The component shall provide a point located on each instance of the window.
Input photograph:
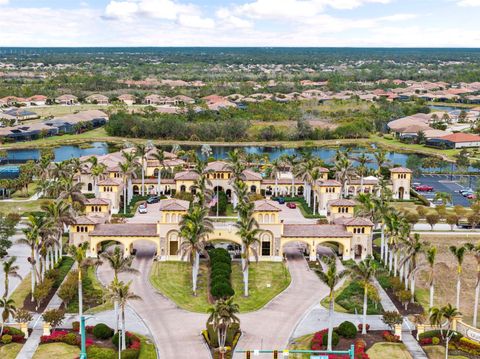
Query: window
(89, 187)
(265, 248)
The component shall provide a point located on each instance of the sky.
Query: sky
(317, 23)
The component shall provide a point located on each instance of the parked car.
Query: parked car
(142, 209)
(153, 199)
(280, 200)
(291, 205)
(424, 188)
(471, 196)
(466, 192)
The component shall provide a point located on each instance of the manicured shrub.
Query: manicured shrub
(347, 330)
(220, 273)
(71, 339)
(435, 341)
(427, 341)
(130, 353)
(436, 333)
(6, 339)
(221, 266)
(115, 338)
(335, 339)
(102, 331)
(320, 340)
(76, 326)
(360, 327)
(94, 352)
(13, 331)
(222, 290)
(389, 337)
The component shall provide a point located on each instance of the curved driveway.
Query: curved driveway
(177, 332)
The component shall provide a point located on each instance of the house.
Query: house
(67, 100)
(13, 100)
(183, 100)
(97, 99)
(28, 132)
(37, 100)
(455, 140)
(21, 114)
(215, 102)
(127, 99)
(66, 124)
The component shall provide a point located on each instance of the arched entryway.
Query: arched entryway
(136, 189)
(401, 193)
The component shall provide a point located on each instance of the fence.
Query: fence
(314, 354)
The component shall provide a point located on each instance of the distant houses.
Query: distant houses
(97, 99)
(455, 140)
(67, 100)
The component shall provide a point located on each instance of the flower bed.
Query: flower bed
(12, 335)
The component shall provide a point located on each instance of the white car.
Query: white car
(142, 209)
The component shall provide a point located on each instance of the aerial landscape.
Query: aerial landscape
(251, 178)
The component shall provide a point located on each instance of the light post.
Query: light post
(83, 345)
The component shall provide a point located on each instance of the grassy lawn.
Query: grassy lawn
(61, 110)
(337, 307)
(301, 343)
(92, 294)
(173, 279)
(22, 194)
(10, 351)
(22, 291)
(147, 350)
(56, 350)
(388, 350)
(438, 352)
(22, 207)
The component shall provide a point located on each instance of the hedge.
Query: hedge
(220, 273)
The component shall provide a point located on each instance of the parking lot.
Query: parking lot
(446, 183)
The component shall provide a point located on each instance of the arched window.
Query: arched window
(167, 218)
(272, 218)
(253, 189)
(183, 188)
(155, 172)
(260, 218)
(89, 187)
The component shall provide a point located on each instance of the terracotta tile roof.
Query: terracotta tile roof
(400, 170)
(174, 205)
(97, 201)
(186, 176)
(281, 181)
(342, 202)
(91, 219)
(461, 137)
(110, 182)
(315, 230)
(126, 230)
(251, 175)
(265, 205)
(329, 183)
(357, 221)
(366, 181)
(217, 166)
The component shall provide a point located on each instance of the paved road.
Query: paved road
(443, 183)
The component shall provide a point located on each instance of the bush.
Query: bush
(435, 341)
(389, 337)
(436, 333)
(320, 339)
(94, 352)
(220, 273)
(6, 339)
(102, 331)
(222, 290)
(130, 353)
(71, 339)
(54, 316)
(76, 326)
(13, 331)
(347, 330)
(360, 327)
(467, 345)
(128, 340)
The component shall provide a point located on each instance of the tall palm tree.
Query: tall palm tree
(276, 167)
(141, 151)
(413, 247)
(381, 159)
(97, 172)
(131, 165)
(59, 214)
(362, 168)
(120, 292)
(365, 272)
(222, 316)
(366, 205)
(476, 253)
(315, 175)
(10, 269)
(331, 277)
(459, 254)
(444, 197)
(430, 257)
(71, 191)
(159, 155)
(9, 309)
(195, 227)
(343, 167)
(119, 264)
(248, 231)
(292, 162)
(303, 170)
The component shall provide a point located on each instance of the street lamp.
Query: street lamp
(83, 347)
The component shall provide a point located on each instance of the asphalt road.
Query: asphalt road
(443, 183)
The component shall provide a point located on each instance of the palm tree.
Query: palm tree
(291, 161)
(303, 170)
(362, 168)
(381, 159)
(128, 170)
(412, 249)
(119, 264)
(71, 191)
(10, 269)
(59, 214)
(315, 175)
(195, 227)
(97, 171)
(159, 155)
(459, 254)
(276, 167)
(9, 309)
(444, 197)
(331, 277)
(476, 253)
(120, 292)
(248, 231)
(343, 166)
(365, 272)
(366, 206)
(222, 316)
(430, 256)
(141, 151)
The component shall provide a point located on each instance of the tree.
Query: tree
(194, 229)
(413, 247)
(364, 272)
(476, 253)
(392, 318)
(59, 214)
(160, 157)
(120, 292)
(430, 257)
(54, 317)
(437, 315)
(141, 151)
(119, 264)
(459, 254)
(432, 219)
(9, 309)
(452, 220)
(222, 316)
(330, 276)
(444, 197)
(7, 229)
(343, 167)
(10, 269)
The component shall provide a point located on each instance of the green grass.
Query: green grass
(10, 351)
(388, 350)
(22, 291)
(22, 207)
(147, 350)
(93, 294)
(438, 352)
(32, 187)
(173, 279)
(56, 350)
(301, 343)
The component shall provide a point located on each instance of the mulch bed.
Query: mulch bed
(372, 337)
(413, 308)
(32, 306)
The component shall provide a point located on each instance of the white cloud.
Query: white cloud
(121, 10)
(195, 21)
(4, 2)
(469, 2)
(155, 9)
(398, 17)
